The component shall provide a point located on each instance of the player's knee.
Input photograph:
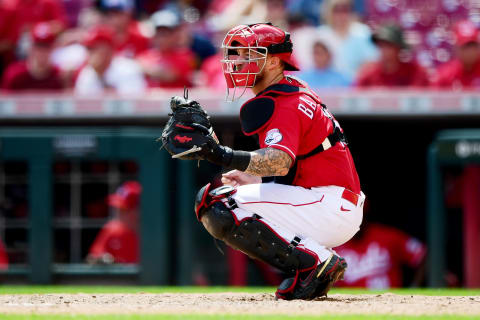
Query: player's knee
(218, 220)
(202, 200)
(214, 214)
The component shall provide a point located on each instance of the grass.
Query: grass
(152, 289)
(229, 317)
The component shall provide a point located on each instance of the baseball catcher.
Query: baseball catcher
(296, 197)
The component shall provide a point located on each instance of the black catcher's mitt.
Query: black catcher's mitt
(188, 130)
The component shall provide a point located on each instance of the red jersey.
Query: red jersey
(409, 74)
(3, 257)
(376, 258)
(119, 240)
(133, 44)
(179, 61)
(17, 77)
(7, 37)
(7, 19)
(212, 73)
(36, 11)
(30, 12)
(297, 126)
(454, 76)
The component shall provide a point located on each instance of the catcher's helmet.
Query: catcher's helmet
(260, 39)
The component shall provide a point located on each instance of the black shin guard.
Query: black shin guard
(254, 237)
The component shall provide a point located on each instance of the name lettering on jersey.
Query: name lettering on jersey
(308, 108)
(273, 136)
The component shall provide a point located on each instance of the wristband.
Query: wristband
(226, 157)
(240, 160)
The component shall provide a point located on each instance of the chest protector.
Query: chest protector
(256, 113)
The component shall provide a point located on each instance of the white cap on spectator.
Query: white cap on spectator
(165, 19)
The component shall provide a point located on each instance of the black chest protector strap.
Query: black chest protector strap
(332, 139)
(336, 136)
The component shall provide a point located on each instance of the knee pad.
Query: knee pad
(206, 197)
(218, 220)
(252, 235)
(214, 214)
(201, 200)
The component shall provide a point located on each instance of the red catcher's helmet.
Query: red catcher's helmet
(259, 39)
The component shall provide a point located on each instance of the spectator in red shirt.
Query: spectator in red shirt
(391, 70)
(3, 257)
(36, 72)
(464, 70)
(7, 38)
(104, 71)
(128, 40)
(212, 75)
(20, 16)
(32, 12)
(376, 255)
(117, 242)
(168, 64)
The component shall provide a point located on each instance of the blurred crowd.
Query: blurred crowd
(132, 46)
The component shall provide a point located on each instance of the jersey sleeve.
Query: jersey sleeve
(99, 246)
(283, 132)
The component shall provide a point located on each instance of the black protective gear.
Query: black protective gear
(188, 132)
(253, 236)
(188, 135)
(315, 283)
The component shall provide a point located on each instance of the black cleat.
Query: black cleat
(331, 271)
(316, 284)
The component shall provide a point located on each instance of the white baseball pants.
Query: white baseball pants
(318, 216)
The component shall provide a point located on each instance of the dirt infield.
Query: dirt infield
(236, 303)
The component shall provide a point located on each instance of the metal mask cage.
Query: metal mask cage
(229, 65)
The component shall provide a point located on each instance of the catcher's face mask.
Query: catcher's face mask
(245, 50)
(243, 60)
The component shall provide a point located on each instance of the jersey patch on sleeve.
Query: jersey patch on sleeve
(273, 136)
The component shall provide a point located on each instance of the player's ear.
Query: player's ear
(274, 62)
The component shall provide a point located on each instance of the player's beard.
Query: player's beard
(259, 78)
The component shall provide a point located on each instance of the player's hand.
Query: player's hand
(237, 178)
(104, 259)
